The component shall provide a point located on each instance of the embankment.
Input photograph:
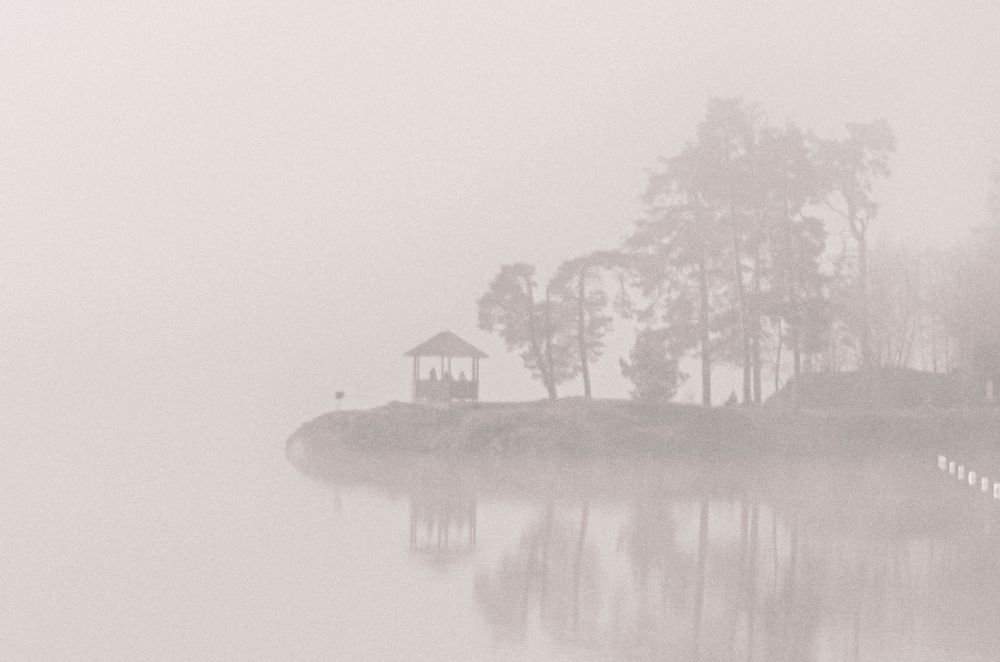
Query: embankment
(626, 427)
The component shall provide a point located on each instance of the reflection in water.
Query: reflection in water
(442, 526)
(784, 561)
(551, 576)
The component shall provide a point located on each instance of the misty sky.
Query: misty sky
(249, 205)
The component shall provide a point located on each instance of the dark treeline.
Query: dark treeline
(754, 251)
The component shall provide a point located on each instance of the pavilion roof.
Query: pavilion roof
(446, 343)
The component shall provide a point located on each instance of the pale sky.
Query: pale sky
(245, 206)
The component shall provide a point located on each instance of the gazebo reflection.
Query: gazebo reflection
(442, 526)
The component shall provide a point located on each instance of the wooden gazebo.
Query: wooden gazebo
(443, 386)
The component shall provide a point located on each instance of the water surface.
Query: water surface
(210, 544)
(884, 558)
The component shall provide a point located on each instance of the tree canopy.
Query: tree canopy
(753, 243)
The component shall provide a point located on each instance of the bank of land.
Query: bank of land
(629, 427)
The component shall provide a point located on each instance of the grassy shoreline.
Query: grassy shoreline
(861, 474)
(627, 427)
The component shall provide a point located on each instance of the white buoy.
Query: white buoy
(961, 472)
(972, 479)
(942, 463)
(951, 467)
(985, 484)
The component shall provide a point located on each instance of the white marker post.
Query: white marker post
(961, 472)
(984, 484)
(996, 490)
(942, 463)
(972, 479)
(951, 467)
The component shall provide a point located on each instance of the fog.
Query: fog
(269, 203)
(216, 215)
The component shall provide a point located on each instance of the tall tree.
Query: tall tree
(581, 283)
(677, 257)
(792, 239)
(736, 195)
(895, 291)
(851, 165)
(722, 172)
(542, 330)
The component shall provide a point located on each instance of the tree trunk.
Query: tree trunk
(706, 358)
(550, 382)
(795, 333)
(865, 333)
(550, 389)
(738, 273)
(832, 347)
(741, 295)
(791, 317)
(536, 350)
(755, 327)
(581, 330)
(777, 357)
(934, 348)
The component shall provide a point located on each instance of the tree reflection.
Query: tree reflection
(715, 580)
(699, 594)
(805, 561)
(552, 576)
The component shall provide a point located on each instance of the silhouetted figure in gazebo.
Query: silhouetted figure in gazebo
(445, 346)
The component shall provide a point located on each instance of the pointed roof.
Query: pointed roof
(446, 343)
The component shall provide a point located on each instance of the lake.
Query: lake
(214, 545)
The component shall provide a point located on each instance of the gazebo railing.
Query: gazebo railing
(438, 390)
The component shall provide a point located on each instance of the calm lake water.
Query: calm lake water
(210, 545)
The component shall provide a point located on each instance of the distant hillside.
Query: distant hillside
(884, 389)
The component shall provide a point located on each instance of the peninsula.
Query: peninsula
(632, 427)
